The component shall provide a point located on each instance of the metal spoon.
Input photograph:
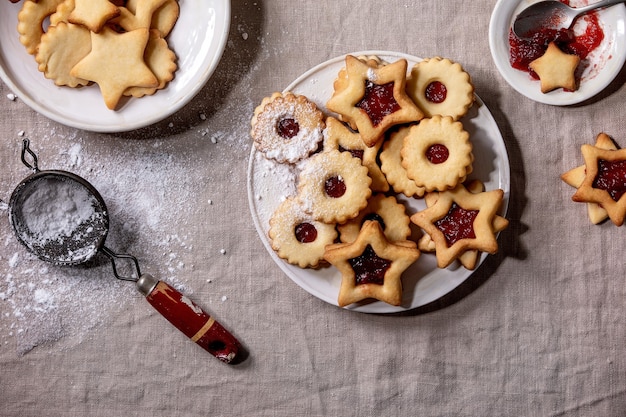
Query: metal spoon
(552, 14)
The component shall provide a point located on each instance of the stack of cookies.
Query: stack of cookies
(122, 48)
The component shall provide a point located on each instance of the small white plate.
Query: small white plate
(198, 39)
(423, 282)
(605, 62)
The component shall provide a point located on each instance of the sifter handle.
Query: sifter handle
(190, 319)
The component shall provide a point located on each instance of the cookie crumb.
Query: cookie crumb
(224, 298)
(223, 251)
(11, 96)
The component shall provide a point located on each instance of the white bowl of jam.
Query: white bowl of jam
(598, 38)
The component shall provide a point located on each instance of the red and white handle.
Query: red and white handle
(190, 319)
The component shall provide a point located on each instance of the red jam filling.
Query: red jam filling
(287, 128)
(611, 177)
(457, 224)
(357, 153)
(369, 268)
(305, 233)
(335, 187)
(437, 154)
(378, 101)
(523, 51)
(436, 92)
(374, 217)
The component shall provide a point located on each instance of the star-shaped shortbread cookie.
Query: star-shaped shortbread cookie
(372, 98)
(93, 14)
(604, 182)
(576, 176)
(556, 69)
(371, 252)
(460, 221)
(116, 63)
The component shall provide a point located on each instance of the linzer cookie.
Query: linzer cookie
(441, 87)
(297, 237)
(460, 220)
(287, 127)
(604, 181)
(391, 165)
(373, 98)
(371, 266)
(437, 153)
(333, 186)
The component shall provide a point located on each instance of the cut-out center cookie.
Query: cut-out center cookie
(611, 178)
(457, 224)
(378, 101)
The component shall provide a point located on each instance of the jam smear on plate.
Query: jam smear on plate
(305, 233)
(523, 51)
(378, 101)
(457, 224)
(611, 177)
(369, 268)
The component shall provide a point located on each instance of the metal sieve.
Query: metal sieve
(61, 218)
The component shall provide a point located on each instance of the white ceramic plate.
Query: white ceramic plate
(198, 39)
(604, 63)
(423, 282)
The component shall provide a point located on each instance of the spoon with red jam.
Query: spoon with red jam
(552, 15)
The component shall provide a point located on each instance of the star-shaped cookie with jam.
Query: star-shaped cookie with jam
(605, 181)
(469, 258)
(371, 266)
(575, 177)
(460, 221)
(372, 98)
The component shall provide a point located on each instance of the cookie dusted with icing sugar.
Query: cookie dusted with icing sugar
(333, 186)
(287, 127)
(437, 153)
(604, 181)
(371, 266)
(297, 237)
(441, 87)
(372, 97)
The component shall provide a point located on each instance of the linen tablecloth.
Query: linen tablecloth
(536, 331)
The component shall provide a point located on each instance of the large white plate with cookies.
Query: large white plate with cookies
(269, 183)
(600, 67)
(198, 39)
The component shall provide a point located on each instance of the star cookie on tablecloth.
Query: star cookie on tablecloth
(605, 181)
(556, 69)
(371, 266)
(576, 176)
(120, 54)
(373, 98)
(460, 221)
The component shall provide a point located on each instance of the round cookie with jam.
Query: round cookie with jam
(441, 87)
(333, 186)
(287, 127)
(437, 154)
(297, 237)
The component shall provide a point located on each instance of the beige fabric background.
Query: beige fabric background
(537, 331)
